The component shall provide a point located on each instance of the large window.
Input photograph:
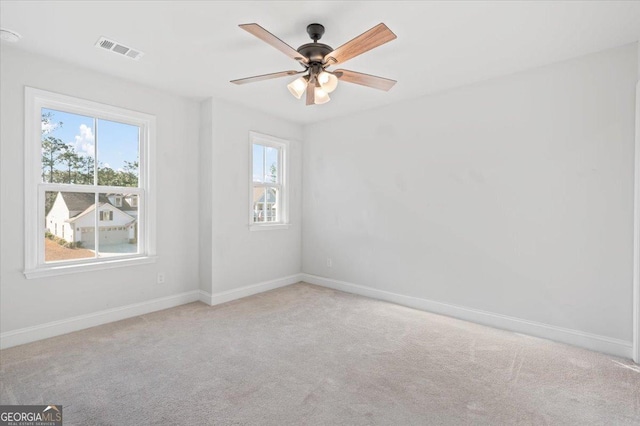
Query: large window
(88, 185)
(268, 190)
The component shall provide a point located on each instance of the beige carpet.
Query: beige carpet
(306, 355)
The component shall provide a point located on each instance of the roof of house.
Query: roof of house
(81, 201)
(259, 192)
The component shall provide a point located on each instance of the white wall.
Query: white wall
(34, 302)
(205, 173)
(232, 256)
(513, 196)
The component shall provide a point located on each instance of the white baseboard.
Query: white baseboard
(56, 328)
(239, 293)
(573, 337)
(590, 341)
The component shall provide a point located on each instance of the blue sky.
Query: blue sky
(263, 155)
(117, 142)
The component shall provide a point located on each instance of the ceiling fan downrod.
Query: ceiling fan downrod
(315, 52)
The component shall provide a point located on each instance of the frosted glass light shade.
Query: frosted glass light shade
(321, 97)
(327, 81)
(297, 86)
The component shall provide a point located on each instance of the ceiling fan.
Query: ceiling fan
(316, 57)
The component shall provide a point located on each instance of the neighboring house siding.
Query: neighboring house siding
(55, 219)
(79, 225)
(118, 230)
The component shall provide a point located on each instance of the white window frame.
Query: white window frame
(34, 189)
(283, 208)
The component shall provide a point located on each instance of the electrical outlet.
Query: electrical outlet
(329, 262)
(160, 278)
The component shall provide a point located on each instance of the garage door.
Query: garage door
(88, 238)
(115, 235)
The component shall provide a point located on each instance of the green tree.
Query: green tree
(73, 163)
(87, 163)
(51, 147)
(130, 173)
(107, 176)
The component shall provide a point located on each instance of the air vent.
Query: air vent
(119, 48)
(106, 44)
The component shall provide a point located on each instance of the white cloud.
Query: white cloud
(85, 141)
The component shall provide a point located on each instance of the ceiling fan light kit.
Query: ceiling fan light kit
(320, 96)
(328, 81)
(298, 86)
(315, 57)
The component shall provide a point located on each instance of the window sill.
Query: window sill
(52, 271)
(268, 227)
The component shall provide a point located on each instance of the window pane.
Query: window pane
(117, 226)
(69, 226)
(271, 206)
(258, 205)
(68, 147)
(118, 153)
(271, 162)
(258, 163)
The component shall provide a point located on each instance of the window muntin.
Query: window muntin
(268, 180)
(98, 158)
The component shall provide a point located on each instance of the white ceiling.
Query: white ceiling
(193, 48)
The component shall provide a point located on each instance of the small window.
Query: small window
(268, 191)
(106, 215)
(117, 201)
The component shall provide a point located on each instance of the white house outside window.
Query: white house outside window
(269, 190)
(85, 163)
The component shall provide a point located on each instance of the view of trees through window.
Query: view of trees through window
(73, 161)
(83, 152)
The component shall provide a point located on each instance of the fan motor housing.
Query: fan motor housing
(315, 52)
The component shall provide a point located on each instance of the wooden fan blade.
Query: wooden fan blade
(311, 92)
(265, 77)
(365, 79)
(274, 41)
(376, 36)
